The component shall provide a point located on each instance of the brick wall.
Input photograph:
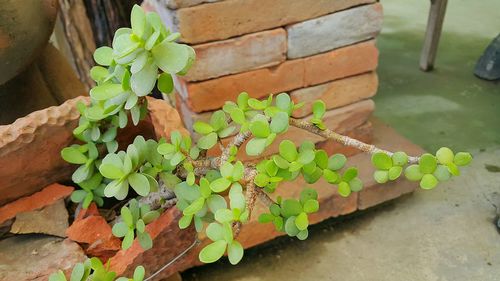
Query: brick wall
(312, 49)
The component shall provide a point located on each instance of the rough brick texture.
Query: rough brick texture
(47, 196)
(212, 94)
(290, 75)
(168, 242)
(334, 31)
(340, 63)
(225, 19)
(337, 93)
(248, 52)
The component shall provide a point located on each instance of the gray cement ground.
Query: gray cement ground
(443, 234)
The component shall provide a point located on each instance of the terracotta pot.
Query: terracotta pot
(30, 147)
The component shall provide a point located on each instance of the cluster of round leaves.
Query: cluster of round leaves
(218, 127)
(136, 167)
(93, 269)
(312, 163)
(141, 57)
(263, 119)
(92, 190)
(291, 215)
(388, 167)
(203, 203)
(134, 219)
(430, 170)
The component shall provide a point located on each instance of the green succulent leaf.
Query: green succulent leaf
(103, 56)
(427, 163)
(235, 252)
(139, 183)
(260, 129)
(336, 162)
(428, 181)
(399, 158)
(344, 189)
(220, 184)
(213, 251)
(120, 229)
(445, 155)
(462, 159)
(73, 155)
(288, 151)
(208, 141)
(413, 173)
(311, 206)
(255, 146)
(172, 57)
(279, 123)
(202, 128)
(381, 161)
(165, 83)
(319, 109)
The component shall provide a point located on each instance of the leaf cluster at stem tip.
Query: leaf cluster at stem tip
(93, 269)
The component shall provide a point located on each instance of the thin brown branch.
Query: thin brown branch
(345, 140)
(264, 198)
(237, 141)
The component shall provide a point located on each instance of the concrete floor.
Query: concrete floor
(443, 234)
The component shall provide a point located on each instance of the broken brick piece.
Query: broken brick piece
(96, 233)
(47, 196)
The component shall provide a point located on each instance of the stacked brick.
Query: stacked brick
(312, 49)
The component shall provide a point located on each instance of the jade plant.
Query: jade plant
(216, 194)
(93, 269)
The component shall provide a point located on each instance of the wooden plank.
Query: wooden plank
(433, 33)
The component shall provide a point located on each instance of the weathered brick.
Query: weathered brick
(290, 75)
(189, 117)
(225, 19)
(340, 63)
(244, 53)
(337, 93)
(212, 94)
(45, 197)
(334, 30)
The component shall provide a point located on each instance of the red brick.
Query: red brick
(337, 93)
(96, 235)
(212, 94)
(340, 63)
(240, 54)
(225, 19)
(290, 75)
(47, 196)
(168, 242)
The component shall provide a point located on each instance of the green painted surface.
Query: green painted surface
(448, 105)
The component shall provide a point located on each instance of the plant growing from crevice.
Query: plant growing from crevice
(93, 269)
(216, 194)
